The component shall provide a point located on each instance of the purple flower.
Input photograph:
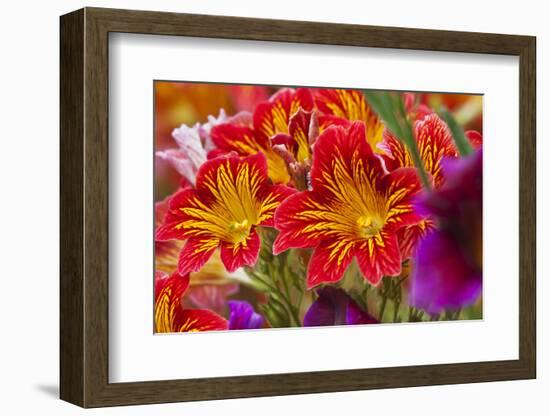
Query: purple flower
(447, 271)
(335, 307)
(242, 315)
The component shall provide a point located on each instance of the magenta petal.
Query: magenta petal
(357, 316)
(328, 309)
(443, 277)
(335, 307)
(243, 316)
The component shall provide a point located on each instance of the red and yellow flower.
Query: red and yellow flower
(232, 197)
(354, 209)
(273, 116)
(435, 143)
(170, 316)
(209, 287)
(269, 119)
(341, 107)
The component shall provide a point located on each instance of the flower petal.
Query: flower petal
(357, 316)
(349, 105)
(174, 217)
(328, 309)
(272, 117)
(400, 187)
(245, 141)
(334, 306)
(172, 286)
(274, 196)
(410, 236)
(210, 296)
(215, 172)
(303, 220)
(434, 142)
(341, 158)
(379, 256)
(475, 138)
(396, 154)
(329, 261)
(197, 320)
(243, 316)
(235, 255)
(181, 162)
(299, 129)
(238, 138)
(443, 276)
(196, 253)
(168, 293)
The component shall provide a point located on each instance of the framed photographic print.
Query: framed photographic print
(259, 207)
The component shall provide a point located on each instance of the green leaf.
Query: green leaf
(462, 143)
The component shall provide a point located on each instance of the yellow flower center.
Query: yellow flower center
(369, 225)
(239, 230)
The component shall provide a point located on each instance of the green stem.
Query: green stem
(285, 297)
(413, 147)
(462, 143)
(383, 307)
(291, 307)
(396, 306)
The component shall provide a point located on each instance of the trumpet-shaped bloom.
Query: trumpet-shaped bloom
(270, 118)
(170, 316)
(447, 272)
(335, 307)
(353, 210)
(434, 143)
(210, 286)
(341, 107)
(232, 197)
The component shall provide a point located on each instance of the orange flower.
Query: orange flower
(353, 210)
(232, 197)
(269, 119)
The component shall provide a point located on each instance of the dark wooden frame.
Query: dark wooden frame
(84, 208)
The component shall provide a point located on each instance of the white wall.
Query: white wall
(29, 220)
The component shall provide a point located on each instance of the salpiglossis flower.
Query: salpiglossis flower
(353, 210)
(232, 197)
(170, 316)
(270, 118)
(435, 142)
(341, 107)
(211, 285)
